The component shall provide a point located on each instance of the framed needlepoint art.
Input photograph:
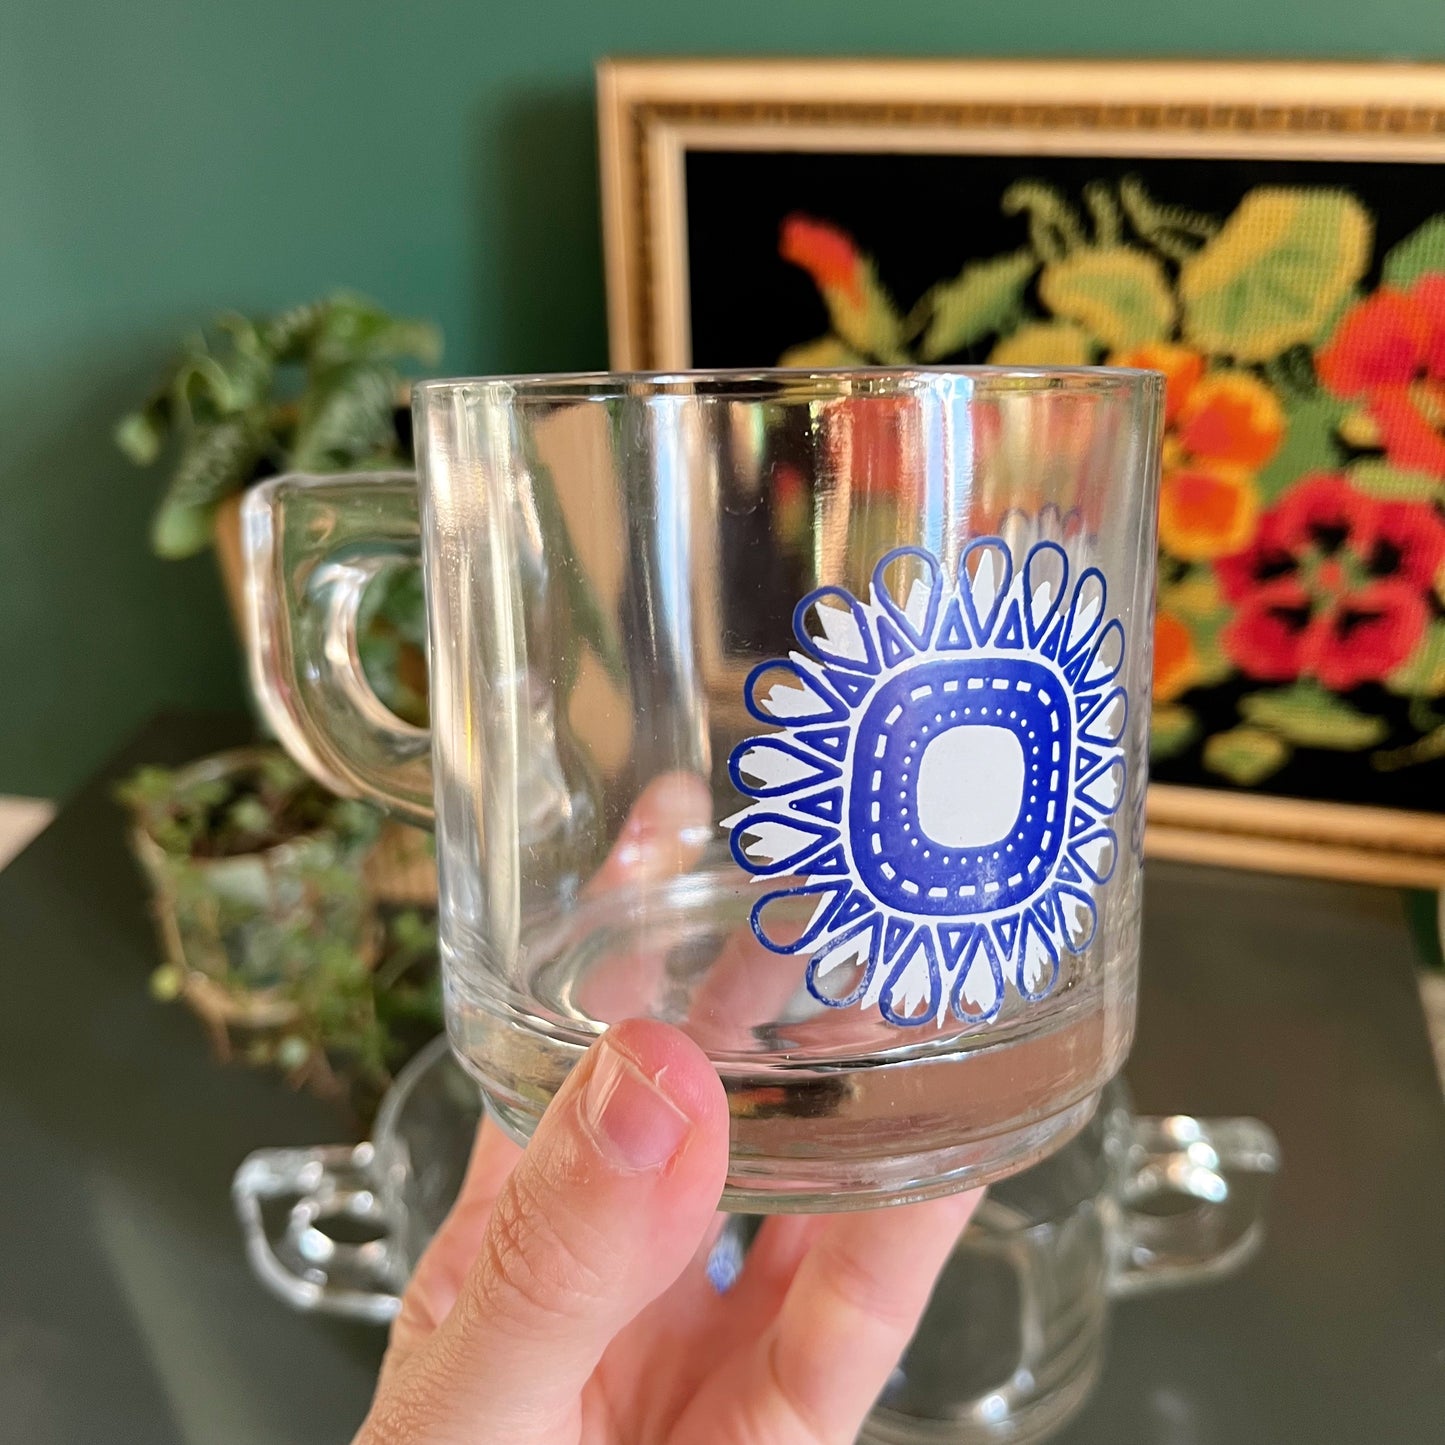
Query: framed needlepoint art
(1270, 237)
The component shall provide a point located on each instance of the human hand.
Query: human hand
(566, 1297)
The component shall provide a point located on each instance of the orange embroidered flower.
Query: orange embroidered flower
(1206, 511)
(1221, 427)
(825, 252)
(1176, 662)
(1231, 416)
(1182, 368)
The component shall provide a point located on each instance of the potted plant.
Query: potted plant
(317, 388)
(268, 928)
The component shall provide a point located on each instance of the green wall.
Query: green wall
(161, 160)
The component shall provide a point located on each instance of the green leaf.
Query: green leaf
(216, 461)
(1245, 755)
(1118, 294)
(1390, 484)
(289, 334)
(345, 415)
(983, 299)
(166, 983)
(1421, 251)
(1274, 275)
(140, 437)
(1310, 717)
(1309, 445)
(1171, 729)
(352, 329)
(1422, 674)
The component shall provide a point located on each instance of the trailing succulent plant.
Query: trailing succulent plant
(268, 927)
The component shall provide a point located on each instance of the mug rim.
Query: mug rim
(744, 383)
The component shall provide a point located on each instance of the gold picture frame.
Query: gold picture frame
(653, 113)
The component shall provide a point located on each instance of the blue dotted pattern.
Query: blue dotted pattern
(900, 864)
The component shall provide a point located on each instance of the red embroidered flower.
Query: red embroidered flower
(1389, 351)
(826, 253)
(1336, 585)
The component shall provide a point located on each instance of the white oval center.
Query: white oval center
(970, 786)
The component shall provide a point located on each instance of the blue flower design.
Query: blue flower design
(939, 802)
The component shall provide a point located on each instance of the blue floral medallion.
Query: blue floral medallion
(939, 801)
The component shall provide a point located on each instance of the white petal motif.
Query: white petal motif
(1103, 791)
(979, 988)
(1097, 853)
(784, 691)
(1046, 577)
(778, 769)
(769, 840)
(1104, 727)
(1038, 960)
(1084, 611)
(1076, 911)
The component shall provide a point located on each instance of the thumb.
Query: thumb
(605, 1209)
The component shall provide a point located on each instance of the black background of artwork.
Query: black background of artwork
(921, 218)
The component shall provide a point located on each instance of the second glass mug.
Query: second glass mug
(804, 711)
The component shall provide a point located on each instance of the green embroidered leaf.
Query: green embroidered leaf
(1195, 599)
(1275, 273)
(859, 307)
(1426, 750)
(1390, 484)
(1171, 729)
(1422, 674)
(1044, 343)
(819, 355)
(984, 298)
(1245, 755)
(1310, 717)
(1421, 251)
(1309, 445)
(1195, 596)
(1118, 294)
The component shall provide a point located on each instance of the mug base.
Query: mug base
(759, 1183)
(1040, 1419)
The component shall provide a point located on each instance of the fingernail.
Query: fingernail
(634, 1123)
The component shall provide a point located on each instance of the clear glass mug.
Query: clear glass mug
(807, 712)
(338, 1228)
(1013, 1339)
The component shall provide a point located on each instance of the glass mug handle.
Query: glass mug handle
(1191, 1203)
(313, 545)
(304, 1262)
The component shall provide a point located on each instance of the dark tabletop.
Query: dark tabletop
(127, 1312)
